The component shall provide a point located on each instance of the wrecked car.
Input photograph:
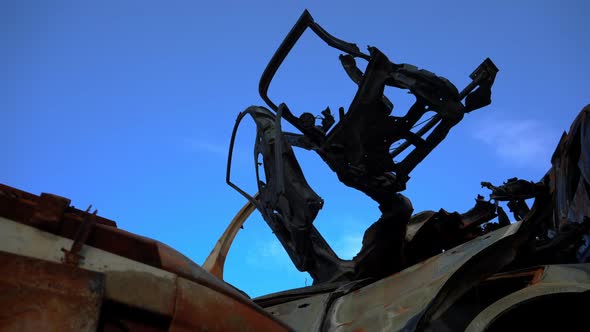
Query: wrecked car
(65, 269)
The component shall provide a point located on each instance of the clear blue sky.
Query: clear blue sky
(129, 105)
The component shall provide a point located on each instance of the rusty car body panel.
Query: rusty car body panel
(42, 296)
(111, 277)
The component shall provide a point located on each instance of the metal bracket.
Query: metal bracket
(72, 256)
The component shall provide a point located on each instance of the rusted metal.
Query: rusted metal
(200, 308)
(126, 279)
(37, 295)
(49, 211)
(557, 279)
(570, 171)
(534, 274)
(181, 265)
(101, 233)
(393, 302)
(305, 314)
(216, 259)
(72, 256)
(429, 233)
(139, 287)
(357, 148)
(484, 263)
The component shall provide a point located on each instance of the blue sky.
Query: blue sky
(129, 105)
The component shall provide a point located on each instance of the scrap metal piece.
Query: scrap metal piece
(305, 21)
(195, 303)
(390, 304)
(383, 250)
(49, 211)
(73, 256)
(304, 314)
(502, 217)
(519, 208)
(287, 203)
(513, 189)
(358, 148)
(561, 249)
(37, 295)
(430, 233)
(175, 301)
(551, 303)
(570, 174)
(484, 263)
(216, 259)
(484, 76)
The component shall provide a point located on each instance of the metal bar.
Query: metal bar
(435, 119)
(304, 21)
(216, 259)
(229, 160)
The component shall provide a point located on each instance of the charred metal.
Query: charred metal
(359, 148)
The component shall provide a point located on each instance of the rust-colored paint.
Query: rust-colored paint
(175, 262)
(199, 307)
(122, 243)
(40, 211)
(51, 213)
(533, 274)
(538, 276)
(216, 259)
(66, 221)
(42, 296)
(141, 290)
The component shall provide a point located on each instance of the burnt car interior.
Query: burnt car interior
(356, 144)
(364, 145)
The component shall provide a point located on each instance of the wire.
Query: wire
(391, 148)
(430, 118)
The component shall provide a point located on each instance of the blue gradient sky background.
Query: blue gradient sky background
(129, 105)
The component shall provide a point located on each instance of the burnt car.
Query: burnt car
(64, 269)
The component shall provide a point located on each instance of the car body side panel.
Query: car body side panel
(37, 295)
(390, 303)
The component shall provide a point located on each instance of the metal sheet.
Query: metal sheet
(557, 279)
(127, 280)
(37, 295)
(136, 284)
(182, 266)
(199, 308)
(304, 314)
(390, 303)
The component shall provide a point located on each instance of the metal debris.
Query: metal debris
(449, 261)
(358, 148)
(73, 256)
